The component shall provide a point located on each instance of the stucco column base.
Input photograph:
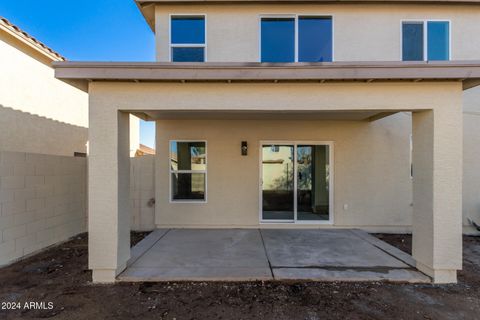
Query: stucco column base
(439, 276)
(107, 275)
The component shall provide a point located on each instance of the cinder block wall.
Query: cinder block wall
(142, 190)
(42, 202)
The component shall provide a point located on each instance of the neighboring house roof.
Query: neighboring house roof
(147, 7)
(80, 73)
(26, 39)
(144, 150)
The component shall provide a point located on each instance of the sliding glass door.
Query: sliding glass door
(313, 190)
(278, 182)
(296, 182)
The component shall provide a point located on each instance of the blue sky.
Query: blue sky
(87, 30)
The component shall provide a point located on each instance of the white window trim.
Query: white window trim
(295, 17)
(331, 184)
(170, 171)
(186, 45)
(425, 36)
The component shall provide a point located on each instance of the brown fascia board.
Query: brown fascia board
(81, 72)
(147, 2)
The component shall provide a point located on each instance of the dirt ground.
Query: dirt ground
(60, 276)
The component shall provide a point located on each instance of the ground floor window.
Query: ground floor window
(296, 182)
(188, 171)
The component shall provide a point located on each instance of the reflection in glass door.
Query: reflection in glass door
(278, 182)
(313, 182)
(296, 182)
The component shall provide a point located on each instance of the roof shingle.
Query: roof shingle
(30, 40)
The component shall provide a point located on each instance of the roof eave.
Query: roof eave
(80, 73)
(148, 13)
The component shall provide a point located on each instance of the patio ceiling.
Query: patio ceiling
(80, 73)
(370, 115)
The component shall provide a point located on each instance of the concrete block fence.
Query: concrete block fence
(43, 200)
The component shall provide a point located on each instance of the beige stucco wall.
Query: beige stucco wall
(42, 202)
(28, 132)
(471, 158)
(143, 216)
(254, 97)
(437, 117)
(109, 97)
(370, 172)
(142, 191)
(390, 213)
(365, 32)
(28, 85)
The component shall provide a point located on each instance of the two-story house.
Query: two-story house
(290, 114)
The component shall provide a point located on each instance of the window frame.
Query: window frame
(425, 37)
(186, 45)
(295, 16)
(170, 172)
(331, 185)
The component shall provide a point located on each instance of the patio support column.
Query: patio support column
(437, 192)
(109, 186)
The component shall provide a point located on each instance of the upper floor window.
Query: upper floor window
(187, 38)
(296, 39)
(425, 40)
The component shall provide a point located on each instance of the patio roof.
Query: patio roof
(80, 73)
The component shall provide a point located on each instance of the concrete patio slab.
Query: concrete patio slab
(324, 248)
(196, 254)
(143, 246)
(348, 275)
(267, 254)
(156, 274)
(397, 253)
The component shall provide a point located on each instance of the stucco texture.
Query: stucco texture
(471, 158)
(38, 113)
(373, 29)
(370, 172)
(437, 116)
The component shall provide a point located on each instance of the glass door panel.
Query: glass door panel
(313, 192)
(278, 187)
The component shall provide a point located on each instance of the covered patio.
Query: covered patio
(345, 97)
(268, 254)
